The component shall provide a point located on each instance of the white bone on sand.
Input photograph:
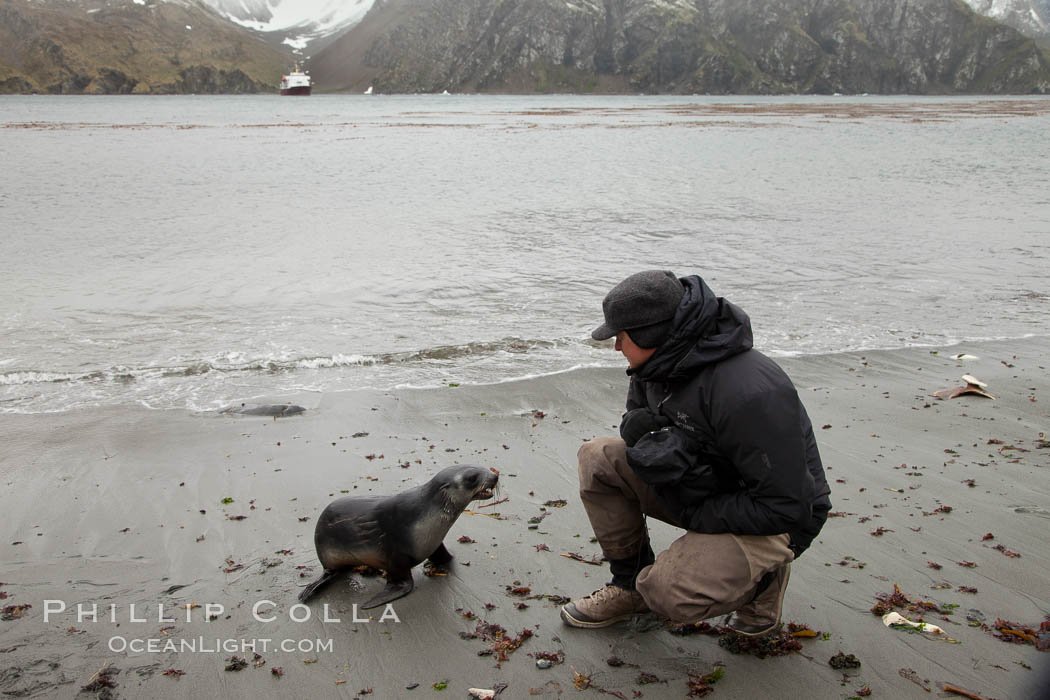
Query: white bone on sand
(973, 386)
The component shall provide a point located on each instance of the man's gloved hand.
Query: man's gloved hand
(640, 421)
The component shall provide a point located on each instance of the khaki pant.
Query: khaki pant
(699, 576)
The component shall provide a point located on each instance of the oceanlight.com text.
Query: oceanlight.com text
(202, 645)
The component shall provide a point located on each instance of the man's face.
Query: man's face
(636, 356)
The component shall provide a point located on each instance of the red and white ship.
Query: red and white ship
(295, 83)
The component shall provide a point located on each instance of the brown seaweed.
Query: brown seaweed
(840, 661)
(778, 643)
(700, 686)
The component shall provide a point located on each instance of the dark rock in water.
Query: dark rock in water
(1033, 510)
(172, 589)
(275, 410)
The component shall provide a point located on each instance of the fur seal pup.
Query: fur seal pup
(394, 533)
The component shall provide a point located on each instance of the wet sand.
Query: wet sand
(125, 506)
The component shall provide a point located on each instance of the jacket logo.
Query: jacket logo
(682, 421)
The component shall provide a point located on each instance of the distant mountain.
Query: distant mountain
(303, 25)
(681, 46)
(125, 46)
(1030, 17)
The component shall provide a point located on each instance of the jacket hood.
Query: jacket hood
(705, 329)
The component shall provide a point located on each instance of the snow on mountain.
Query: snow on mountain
(1031, 17)
(299, 22)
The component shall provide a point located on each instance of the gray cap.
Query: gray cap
(644, 299)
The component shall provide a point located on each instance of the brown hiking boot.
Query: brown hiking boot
(762, 614)
(606, 606)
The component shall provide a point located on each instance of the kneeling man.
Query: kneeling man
(715, 441)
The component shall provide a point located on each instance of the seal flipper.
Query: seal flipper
(398, 585)
(440, 555)
(310, 590)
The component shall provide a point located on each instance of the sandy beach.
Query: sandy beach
(122, 507)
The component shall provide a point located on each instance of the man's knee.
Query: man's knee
(698, 577)
(597, 448)
(593, 456)
(671, 597)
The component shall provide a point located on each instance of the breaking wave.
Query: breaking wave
(225, 363)
(32, 377)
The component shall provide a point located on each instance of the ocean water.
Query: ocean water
(193, 252)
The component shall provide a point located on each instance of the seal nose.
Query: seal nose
(488, 486)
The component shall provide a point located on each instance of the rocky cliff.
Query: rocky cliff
(130, 46)
(682, 46)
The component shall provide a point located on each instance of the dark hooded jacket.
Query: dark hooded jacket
(738, 452)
